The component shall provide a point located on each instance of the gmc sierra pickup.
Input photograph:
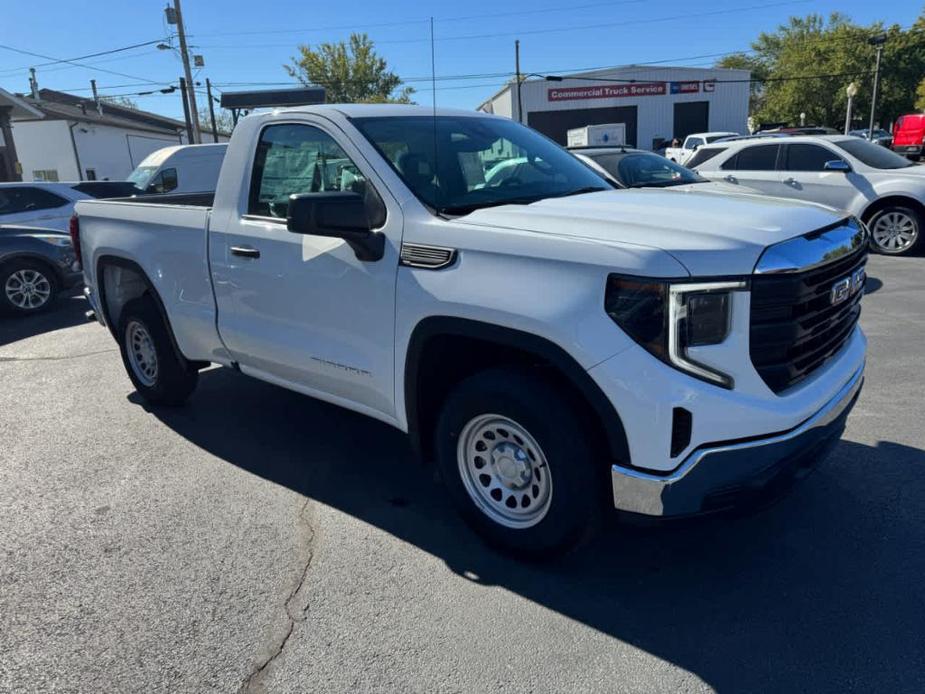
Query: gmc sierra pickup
(554, 345)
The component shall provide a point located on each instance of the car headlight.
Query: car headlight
(667, 318)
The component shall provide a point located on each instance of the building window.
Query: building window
(45, 175)
(91, 174)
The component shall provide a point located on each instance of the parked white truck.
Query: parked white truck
(554, 345)
(692, 143)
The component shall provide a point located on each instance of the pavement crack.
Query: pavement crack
(296, 605)
(63, 358)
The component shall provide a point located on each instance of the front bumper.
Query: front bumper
(718, 476)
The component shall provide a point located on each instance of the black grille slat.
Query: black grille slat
(795, 328)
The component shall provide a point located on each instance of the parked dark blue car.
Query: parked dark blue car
(36, 265)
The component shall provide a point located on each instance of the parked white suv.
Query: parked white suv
(884, 190)
(553, 344)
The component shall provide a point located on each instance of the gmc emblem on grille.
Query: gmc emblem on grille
(848, 286)
(841, 290)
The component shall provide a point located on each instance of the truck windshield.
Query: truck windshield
(457, 164)
(141, 175)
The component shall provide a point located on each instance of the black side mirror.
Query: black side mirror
(336, 215)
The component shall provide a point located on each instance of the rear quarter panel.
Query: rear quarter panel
(168, 242)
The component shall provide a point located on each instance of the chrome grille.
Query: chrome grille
(801, 318)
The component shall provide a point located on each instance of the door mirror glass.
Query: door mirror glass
(837, 165)
(340, 215)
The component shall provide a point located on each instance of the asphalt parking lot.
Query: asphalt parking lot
(256, 540)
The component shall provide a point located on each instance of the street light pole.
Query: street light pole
(851, 90)
(877, 41)
(520, 107)
(188, 73)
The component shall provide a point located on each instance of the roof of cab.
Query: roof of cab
(382, 110)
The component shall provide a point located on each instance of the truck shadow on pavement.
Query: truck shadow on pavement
(66, 312)
(820, 592)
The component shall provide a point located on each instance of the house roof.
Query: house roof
(20, 107)
(55, 105)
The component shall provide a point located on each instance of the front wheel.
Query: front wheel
(158, 373)
(895, 230)
(518, 463)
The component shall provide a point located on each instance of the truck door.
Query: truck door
(302, 310)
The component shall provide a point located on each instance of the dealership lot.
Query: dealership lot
(257, 539)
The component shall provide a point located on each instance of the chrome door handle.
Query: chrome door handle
(729, 178)
(790, 181)
(245, 251)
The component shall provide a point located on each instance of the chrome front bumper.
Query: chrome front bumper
(714, 477)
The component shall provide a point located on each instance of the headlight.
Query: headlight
(668, 318)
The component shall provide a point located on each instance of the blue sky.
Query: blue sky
(250, 41)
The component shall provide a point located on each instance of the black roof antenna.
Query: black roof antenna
(433, 91)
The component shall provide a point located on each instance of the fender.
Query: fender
(118, 261)
(527, 343)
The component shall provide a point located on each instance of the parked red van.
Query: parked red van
(909, 135)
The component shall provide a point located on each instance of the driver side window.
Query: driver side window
(292, 159)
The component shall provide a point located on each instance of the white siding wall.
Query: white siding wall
(45, 145)
(655, 114)
(115, 152)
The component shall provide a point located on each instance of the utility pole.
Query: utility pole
(184, 53)
(520, 107)
(189, 125)
(33, 84)
(96, 97)
(211, 110)
(878, 42)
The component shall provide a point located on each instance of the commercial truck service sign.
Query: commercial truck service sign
(611, 91)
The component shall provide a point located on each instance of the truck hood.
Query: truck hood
(709, 234)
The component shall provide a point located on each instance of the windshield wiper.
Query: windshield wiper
(579, 191)
(664, 184)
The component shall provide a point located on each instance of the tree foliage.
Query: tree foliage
(920, 95)
(223, 121)
(808, 63)
(350, 72)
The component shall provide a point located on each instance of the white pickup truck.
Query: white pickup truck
(554, 345)
(691, 143)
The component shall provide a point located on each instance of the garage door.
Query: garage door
(556, 124)
(691, 117)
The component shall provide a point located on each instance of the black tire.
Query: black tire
(17, 303)
(528, 399)
(172, 379)
(918, 227)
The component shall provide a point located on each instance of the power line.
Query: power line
(72, 62)
(89, 55)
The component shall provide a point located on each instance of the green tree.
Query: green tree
(920, 96)
(807, 63)
(350, 72)
(223, 121)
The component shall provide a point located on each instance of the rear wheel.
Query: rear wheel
(518, 463)
(156, 370)
(26, 286)
(895, 230)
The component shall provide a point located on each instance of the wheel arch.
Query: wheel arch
(115, 293)
(443, 350)
(889, 200)
(37, 258)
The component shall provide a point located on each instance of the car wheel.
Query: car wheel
(158, 373)
(518, 463)
(895, 230)
(26, 286)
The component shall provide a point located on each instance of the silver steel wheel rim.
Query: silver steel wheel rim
(27, 289)
(142, 356)
(504, 471)
(894, 231)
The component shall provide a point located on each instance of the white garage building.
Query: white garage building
(63, 137)
(655, 103)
